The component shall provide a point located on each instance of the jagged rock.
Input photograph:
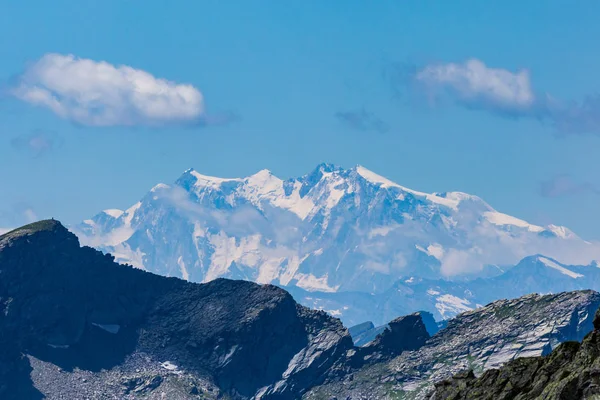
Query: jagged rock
(366, 332)
(479, 340)
(401, 334)
(571, 371)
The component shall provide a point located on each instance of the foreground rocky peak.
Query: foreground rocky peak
(84, 323)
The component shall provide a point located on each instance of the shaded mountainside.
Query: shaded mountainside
(481, 339)
(75, 324)
(571, 371)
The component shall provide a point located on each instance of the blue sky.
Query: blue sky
(287, 85)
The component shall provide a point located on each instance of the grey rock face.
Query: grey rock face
(479, 340)
(570, 372)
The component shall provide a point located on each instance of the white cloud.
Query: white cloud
(475, 84)
(97, 93)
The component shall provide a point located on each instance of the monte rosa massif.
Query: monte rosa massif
(347, 241)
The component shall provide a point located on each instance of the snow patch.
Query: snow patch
(501, 219)
(562, 232)
(113, 212)
(313, 284)
(264, 186)
(210, 181)
(158, 187)
(436, 250)
(563, 270)
(449, 305)
(169, 366)
(110, 328)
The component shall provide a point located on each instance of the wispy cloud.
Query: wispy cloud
(362, 120)
(97, 93)
(474, 85)
(36, 143)
(565, 185)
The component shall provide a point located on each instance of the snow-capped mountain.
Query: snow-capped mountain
(332, 230)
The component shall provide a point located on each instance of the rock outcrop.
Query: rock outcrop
(401, 334)
(480, 340)
(571, 371)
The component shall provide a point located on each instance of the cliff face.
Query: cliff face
(571, 371)
(87, 325)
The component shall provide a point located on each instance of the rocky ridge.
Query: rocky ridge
(479, 340)
(571, 371)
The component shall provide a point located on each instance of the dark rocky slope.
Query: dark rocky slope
(571, 371)
(74, 324)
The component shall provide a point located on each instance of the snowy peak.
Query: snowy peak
(375, 178)
(383, 182)
(204, 180)
(333, 229)
(114, 213)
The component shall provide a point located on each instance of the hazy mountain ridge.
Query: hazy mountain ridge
(445, 299)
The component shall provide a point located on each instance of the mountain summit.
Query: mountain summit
(331, 230)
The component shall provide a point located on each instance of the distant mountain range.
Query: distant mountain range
(345, 240)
